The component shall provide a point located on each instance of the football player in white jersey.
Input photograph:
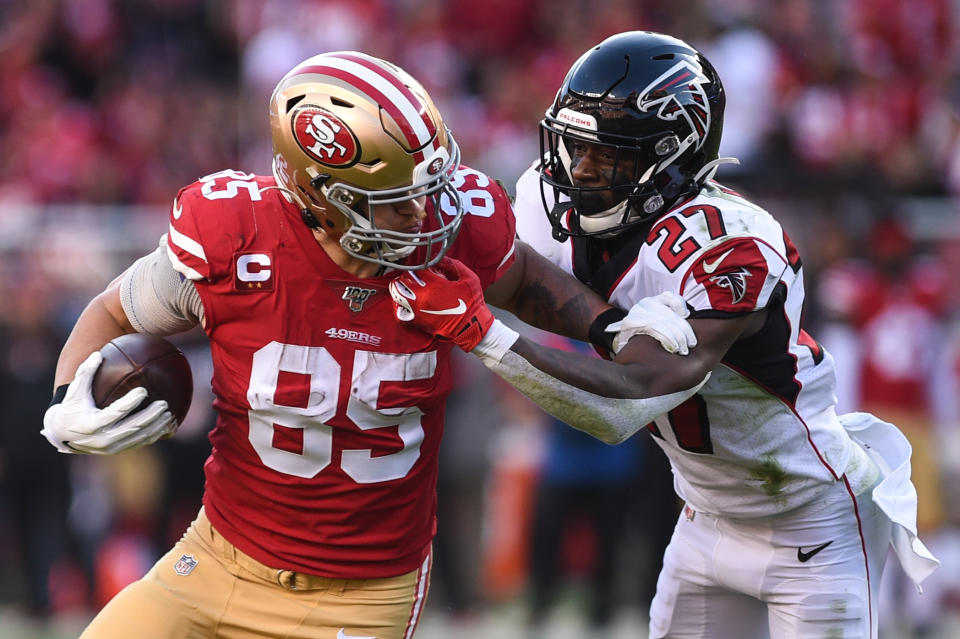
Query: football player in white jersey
(790, 508)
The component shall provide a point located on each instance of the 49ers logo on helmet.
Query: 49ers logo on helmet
(435, 166)
(325, 137)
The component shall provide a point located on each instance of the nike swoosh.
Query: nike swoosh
(459, 309)
(804, 557)
(344, 635)
(710, 267)
(177, 209)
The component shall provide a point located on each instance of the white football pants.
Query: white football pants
(814, 572)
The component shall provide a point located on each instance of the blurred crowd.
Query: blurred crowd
(844, 114)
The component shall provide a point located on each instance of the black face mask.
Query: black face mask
(630, 154)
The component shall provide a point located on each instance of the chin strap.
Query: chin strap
(556, 220)
(708, 170)
(305, 214)
(309, 219)
(294, 198)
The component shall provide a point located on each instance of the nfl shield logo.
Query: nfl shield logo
(185, 566)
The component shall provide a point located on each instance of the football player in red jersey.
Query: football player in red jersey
(320, 497)
(790, 508)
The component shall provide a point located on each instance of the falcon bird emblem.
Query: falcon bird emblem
(735, 281)
(679, 93)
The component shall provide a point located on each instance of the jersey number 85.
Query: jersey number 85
(370, 369)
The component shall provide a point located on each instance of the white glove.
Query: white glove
(662, 317)
(77, 425)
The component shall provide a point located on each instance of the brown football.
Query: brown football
(144, 360)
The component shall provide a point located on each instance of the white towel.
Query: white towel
(895, 494)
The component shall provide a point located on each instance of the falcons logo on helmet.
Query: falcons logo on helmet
(735, 281)
(679, 93)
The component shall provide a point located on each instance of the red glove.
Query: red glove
(445, 301)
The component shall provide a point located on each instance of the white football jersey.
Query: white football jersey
(762, 436)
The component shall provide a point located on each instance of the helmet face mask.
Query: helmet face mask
(653, 106)
(618, 167)
(364, 239)
(352, 132)
(597, 209)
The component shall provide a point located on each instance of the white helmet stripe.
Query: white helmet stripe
(388, 72)
(379, 89)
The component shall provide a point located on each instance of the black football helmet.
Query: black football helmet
(657, 104)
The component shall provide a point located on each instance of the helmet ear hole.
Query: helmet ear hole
(309, 196)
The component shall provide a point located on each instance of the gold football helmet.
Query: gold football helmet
(351, 131)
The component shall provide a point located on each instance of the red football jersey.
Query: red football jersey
(899, 325)
(330, 412)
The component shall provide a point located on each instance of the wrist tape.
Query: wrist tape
(599, 337)
(59, 394)
(496, 342)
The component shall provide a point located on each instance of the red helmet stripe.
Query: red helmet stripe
(381, 86)
(419, 156)
(405, 126)
(395, 81)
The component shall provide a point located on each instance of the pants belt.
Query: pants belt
(289, 579)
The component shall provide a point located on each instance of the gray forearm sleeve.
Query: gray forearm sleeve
(157, 299)
(610, 420)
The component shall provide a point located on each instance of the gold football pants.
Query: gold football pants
(205, 588)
